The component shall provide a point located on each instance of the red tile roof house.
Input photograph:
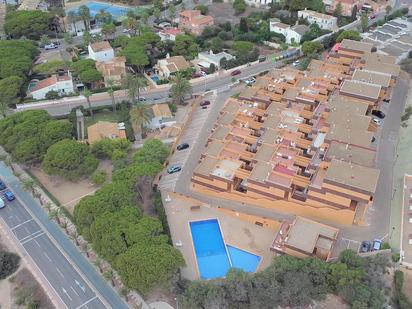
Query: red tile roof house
(61, 84)
(194, 22)
(169, 34)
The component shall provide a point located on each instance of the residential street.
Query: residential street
(200, 85)
(71, 276)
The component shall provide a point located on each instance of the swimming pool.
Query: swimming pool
(214, 257)
(94, 7)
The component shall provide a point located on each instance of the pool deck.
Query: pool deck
(70, 5)
(238, 233)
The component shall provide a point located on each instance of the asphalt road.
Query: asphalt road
(31, 229)
(159, 95)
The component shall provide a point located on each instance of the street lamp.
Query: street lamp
(177, 303)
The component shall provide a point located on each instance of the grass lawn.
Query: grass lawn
(105, 115)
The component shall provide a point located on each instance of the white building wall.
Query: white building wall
(103, 56)
(62, 87)
(329, 23)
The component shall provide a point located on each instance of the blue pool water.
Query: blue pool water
(94, 7)
(211, 252)
(155, 78)
(243, 259)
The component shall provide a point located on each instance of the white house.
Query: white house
(324, 21)
(258, 3)
(169, 34)
(61, 84)
(207, 58)
(292, 34)
(101, 51)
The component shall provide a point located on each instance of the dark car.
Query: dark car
(378, 114)
(2, 185)
(204, 103)
(174, 169)
(182, 146)
(9, 196)
(365, 246)
(204, 107)
(235, 72)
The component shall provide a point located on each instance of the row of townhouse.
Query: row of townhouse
(302, 143)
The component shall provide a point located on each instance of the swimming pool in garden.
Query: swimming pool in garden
(214, 257)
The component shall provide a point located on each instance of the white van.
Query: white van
(2, 204)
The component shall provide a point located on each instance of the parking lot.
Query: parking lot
(190, 136)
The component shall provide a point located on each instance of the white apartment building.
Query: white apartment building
(324, 21)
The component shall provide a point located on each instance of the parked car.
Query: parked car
(365, 246)
(376, 245)
(204, 103)
(50, 46)
(2, 185)
(203, 73)
(262, 58)
(9, 196)
(250, 81)
(378, 114)
(377, 121)
(204, 107)
(296, 63)
(182, 146)
(196, 75)
(142, 99)
(236, 72)
(126, 30)
(2, 204)
(174, 169)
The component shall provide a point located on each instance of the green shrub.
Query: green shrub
(9, 262)
(99, 177)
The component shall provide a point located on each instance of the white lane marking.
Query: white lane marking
(28, 236)
(37, 243)
(59, 271)
(85, 303)
(67, 294)
(48, 257)
(26, 241)
(74, 291)
(16, 226)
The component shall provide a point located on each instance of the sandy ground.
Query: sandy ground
(66, 192)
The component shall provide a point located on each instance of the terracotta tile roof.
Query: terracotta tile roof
(100, 46)
(161, 110)
(50, 81)
(104, 129)
(177, 63)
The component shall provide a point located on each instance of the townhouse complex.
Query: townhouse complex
(302, 143)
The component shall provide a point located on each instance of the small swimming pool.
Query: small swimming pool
(116, 11)
(155, 78)
(214, 257)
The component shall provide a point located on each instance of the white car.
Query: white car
(50, 46)
(203, 73)
(126, 30)
(2, 204)
(250, 81)
(296, 63)
(376, 121)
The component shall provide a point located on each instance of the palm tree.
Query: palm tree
(84, 13)
(133, 85)
(85, 248)
(55, 215)
(99, 264)
(28, 185)
(109, 276)
(110, 91)
(180, 88)
(124, 291)
(87, 94)
(140, 115)
(73, 17)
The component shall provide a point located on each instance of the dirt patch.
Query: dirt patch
(223, 12)
(331, 301)
(70, 193)
(407, 283)
(26, 291)
(161, 294)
